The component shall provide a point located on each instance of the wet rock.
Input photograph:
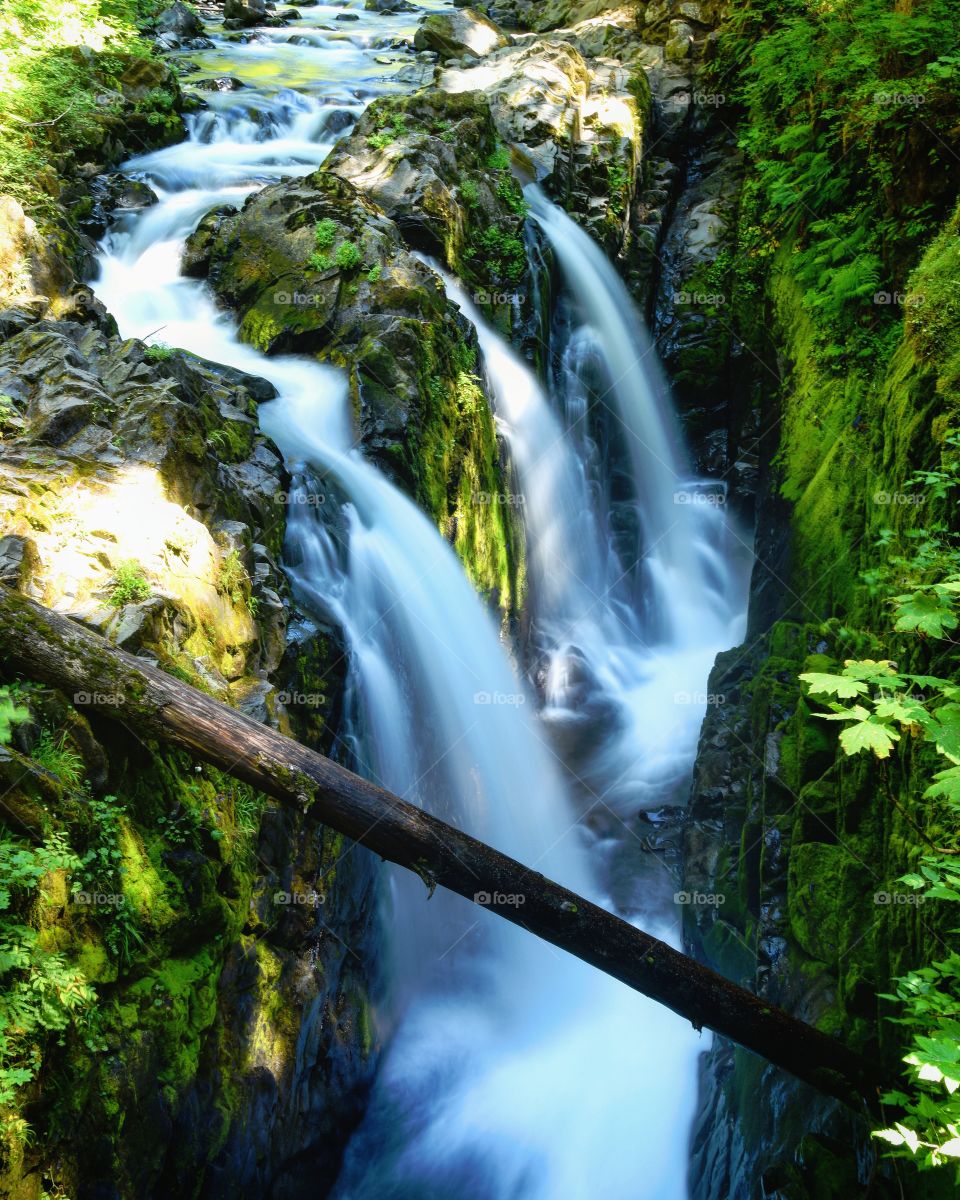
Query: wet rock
(18, 562)
(390, 6)
(243, 13)
(223, 83)
(464, 32)
(29, 266)
(180, 21)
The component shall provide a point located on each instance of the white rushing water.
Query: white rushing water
(510, 1071)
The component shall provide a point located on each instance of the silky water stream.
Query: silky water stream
(509, 1070)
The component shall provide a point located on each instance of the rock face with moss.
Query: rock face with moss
(223, 939)
(314, 266)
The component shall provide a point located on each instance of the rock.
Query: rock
(390, 6)
(464, 32)
(180, 21)
(347, 16)
(18, 562)
(223, 83)
(245, 12)
(29, 266)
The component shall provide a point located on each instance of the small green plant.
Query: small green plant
(324, 233)
(11, 714)
(232, 579)
(501, 255)
(348, 256)
(55, 755)
(319, 261)
(374, 274)
(469, 191)
(158, 352)
(130, 584)
(617, 180)
(508, 190)
(499, 160)
(388, 134)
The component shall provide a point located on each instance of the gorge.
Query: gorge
(327, 387)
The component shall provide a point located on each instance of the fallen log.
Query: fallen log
(45, 645)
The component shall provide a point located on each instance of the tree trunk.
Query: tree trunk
(44, 645)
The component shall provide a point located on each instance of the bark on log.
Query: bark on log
(47, 646)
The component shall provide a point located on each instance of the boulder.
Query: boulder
(461, 33)
(181, 21)
(245, 12)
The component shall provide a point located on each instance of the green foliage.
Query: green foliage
(232, 578)
(499, 160)
(845, 109)
(618, 180)
(469, 191)
(56, 755)
(348, 256)
(373, 275)
(889, 705)
(387, 132)
(59, 69)
(40, 993)
(11, 714)
(498, 254)
(100, 872)
(129, 584)
(324, 233)
(158, 352)
(508, 190)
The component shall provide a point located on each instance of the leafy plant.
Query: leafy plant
(11, 714)
(40, 993)
(158, 352)
(55, 755)
(881, 705)
(130, 584)
(348, 256)
(324, 233)
(232, 579)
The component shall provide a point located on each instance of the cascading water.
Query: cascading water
(511, 1072)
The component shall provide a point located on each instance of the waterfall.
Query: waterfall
(511, 1071)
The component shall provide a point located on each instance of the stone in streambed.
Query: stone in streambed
(180, 21)
(245, 12)
(464, 32)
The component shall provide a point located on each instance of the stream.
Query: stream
(509, 1071)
